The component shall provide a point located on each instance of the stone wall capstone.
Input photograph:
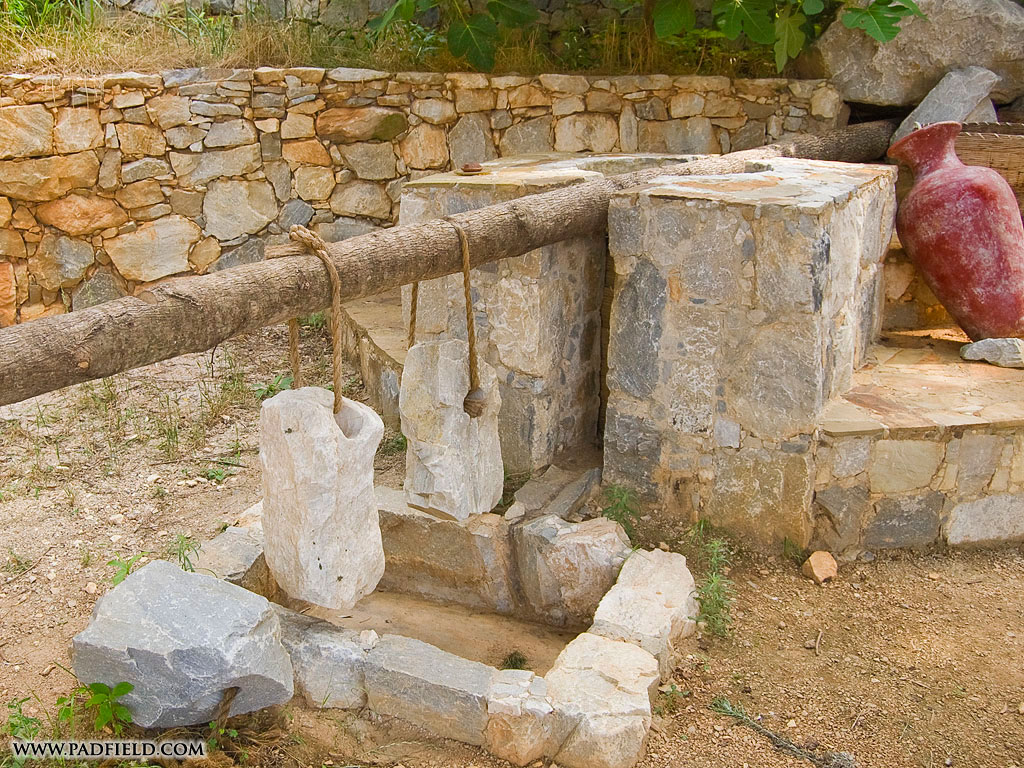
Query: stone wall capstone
(110, 183)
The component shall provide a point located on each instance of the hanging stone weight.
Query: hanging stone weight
(474, 403)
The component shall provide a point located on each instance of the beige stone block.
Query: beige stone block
(77, 129)
(904, 465)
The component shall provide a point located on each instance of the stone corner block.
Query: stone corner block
(183, 639)
(653, 605)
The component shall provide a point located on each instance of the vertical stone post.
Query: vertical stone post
(742, 304)
(320, 523)
(453, 462)
(538, 316)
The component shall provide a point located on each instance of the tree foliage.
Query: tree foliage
(785, 25)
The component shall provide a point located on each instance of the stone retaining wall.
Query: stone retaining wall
(110, 183)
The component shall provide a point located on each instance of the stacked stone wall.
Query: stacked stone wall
(111, 183)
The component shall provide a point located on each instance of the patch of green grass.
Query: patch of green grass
(512, 483)
(16, 564)
(393, 445)
(515, 659)
(714, 590)
(168, 423)
(621, 507)
(314, 322)
(793, 551)
(182, 550)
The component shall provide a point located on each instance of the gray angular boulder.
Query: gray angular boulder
(183, 639)
(955, 34)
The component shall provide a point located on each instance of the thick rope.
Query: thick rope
(414, 301)
(316, 244)
(474, 371)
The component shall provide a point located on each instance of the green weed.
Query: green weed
(182, 550)
(515, 659)
(715, 590)
(621, 507)
(277, 384)
(20, 726)
(123, 567)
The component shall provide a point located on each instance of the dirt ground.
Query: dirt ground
(910, 660)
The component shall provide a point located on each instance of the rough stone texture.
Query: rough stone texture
(557, 492)
(954, 34)
(956, 96)
(236, 555)
(992, 520)
(235, 208)
(60, 261)
(1006, 353)
(183, 639)
(317, 482)
(441, 692)
(469, 562)
(155, 249)
(522, 725)
(733, 323)
(101, 286)
(329, 662)
(81, 214)
(905, 521)
(903, 465)
(25, 131)
(820, 567)
(453, 462)
(604, 688)
(542, 339)
(308, 132)
(47, 178)
(653, 605)
(566, 568)
(8, 295)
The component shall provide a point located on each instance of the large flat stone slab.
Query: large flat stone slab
(184, 639)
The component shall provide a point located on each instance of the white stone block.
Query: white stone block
(453, 463)
(653, 605)
(320, 524)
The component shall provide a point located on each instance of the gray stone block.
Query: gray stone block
(183, 639)
(329, 662)
(236, 555)
(956, 96)
(905, 521)
(429, 687)
(991, 520)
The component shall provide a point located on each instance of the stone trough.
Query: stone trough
(590, 708)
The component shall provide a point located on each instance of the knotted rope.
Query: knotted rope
(475, 399)
(318, 247)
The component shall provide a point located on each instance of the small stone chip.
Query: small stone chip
(820, 567)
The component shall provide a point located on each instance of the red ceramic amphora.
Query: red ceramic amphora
(961, 226)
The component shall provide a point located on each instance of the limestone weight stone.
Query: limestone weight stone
(453, 462)
(320, 523)
(183, 639)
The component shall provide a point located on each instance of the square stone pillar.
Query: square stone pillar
(742, 304)
(538, 316)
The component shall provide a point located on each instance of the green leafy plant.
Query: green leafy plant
(473, 31)
(104, 700)
(123, 567)
(182, 550)
(20, 726)
(786, 25)
(715, 590)
(515, 659)
(277, 384)
(219, 734)
(621, 506)
(670, 699)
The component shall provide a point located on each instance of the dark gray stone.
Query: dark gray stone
(343, 228)
(345, 14)
(236, 555)
(249, 252)
(632, 452)
(99, 288)
(905, 521)
(839, 513)
(633, 363)
(295, 212)
(183, 639)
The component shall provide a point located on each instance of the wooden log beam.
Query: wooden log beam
(193, 314)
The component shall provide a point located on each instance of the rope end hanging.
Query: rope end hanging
(318, 246)
(476, 399)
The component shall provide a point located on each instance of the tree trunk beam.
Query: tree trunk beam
(196, 313)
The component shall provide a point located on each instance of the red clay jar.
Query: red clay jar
(962, 227)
